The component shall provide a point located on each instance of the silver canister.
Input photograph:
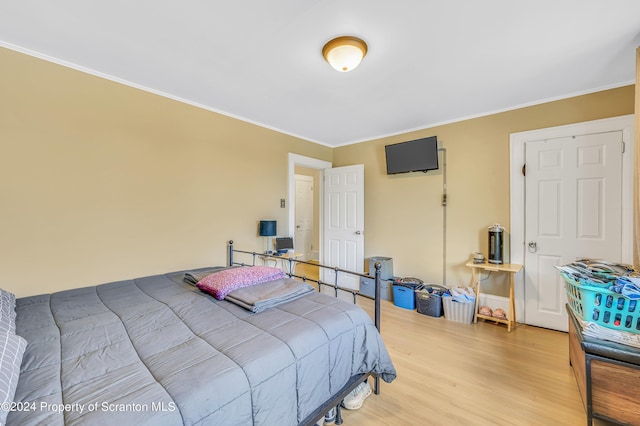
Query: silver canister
(496, 236)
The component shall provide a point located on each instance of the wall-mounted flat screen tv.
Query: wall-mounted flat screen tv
(420, 155)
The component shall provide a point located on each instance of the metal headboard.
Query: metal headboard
(337, 288)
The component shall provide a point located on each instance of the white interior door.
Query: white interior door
(573, 202)
(343, 242)
(304, 216)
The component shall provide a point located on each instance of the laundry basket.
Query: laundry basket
(602, 306)
(429, 303)
(458, 311)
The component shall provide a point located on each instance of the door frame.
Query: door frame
(517, 141)
(311, 163)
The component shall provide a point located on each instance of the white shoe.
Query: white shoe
(330, 417)
(356, 398)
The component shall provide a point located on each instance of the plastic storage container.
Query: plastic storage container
(458, 311)
(404, 295)
(429, 303)
(602, 306)
(386, 267)
(368, 288)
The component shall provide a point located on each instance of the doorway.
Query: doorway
(296, 160)
(521, 215)
(340, 217)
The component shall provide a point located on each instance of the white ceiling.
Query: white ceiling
(429, 62)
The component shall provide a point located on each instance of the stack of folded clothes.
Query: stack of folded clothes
(462, 294)
(192, 277)
(254, 288)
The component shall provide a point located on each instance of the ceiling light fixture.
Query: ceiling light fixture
(344, 53)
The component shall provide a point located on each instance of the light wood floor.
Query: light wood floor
(470, 374)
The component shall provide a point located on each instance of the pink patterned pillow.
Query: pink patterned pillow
(221, 283)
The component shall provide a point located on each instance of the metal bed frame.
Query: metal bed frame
(356, 380)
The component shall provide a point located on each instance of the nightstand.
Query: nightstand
(284, 260)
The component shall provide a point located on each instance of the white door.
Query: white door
(573, 202)
(343, 242)
(304, 216)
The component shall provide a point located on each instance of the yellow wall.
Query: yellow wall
(100, 181)
(403, 213)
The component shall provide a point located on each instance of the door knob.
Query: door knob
(358, 232)
(533, 246)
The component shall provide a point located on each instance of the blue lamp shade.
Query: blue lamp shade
(267, 228)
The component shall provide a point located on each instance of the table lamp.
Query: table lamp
(267, 229)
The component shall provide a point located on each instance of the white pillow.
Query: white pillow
(11, 351)
(7, 311)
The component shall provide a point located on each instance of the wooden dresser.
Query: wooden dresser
(608, 376)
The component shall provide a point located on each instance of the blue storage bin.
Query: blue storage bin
(404, 295)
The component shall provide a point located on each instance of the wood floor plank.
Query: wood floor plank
(451, 373)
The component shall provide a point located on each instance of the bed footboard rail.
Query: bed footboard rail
(335, 285)
(336, 273)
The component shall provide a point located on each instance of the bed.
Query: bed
(159, 350)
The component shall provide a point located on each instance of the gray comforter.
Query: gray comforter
(155, 350)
